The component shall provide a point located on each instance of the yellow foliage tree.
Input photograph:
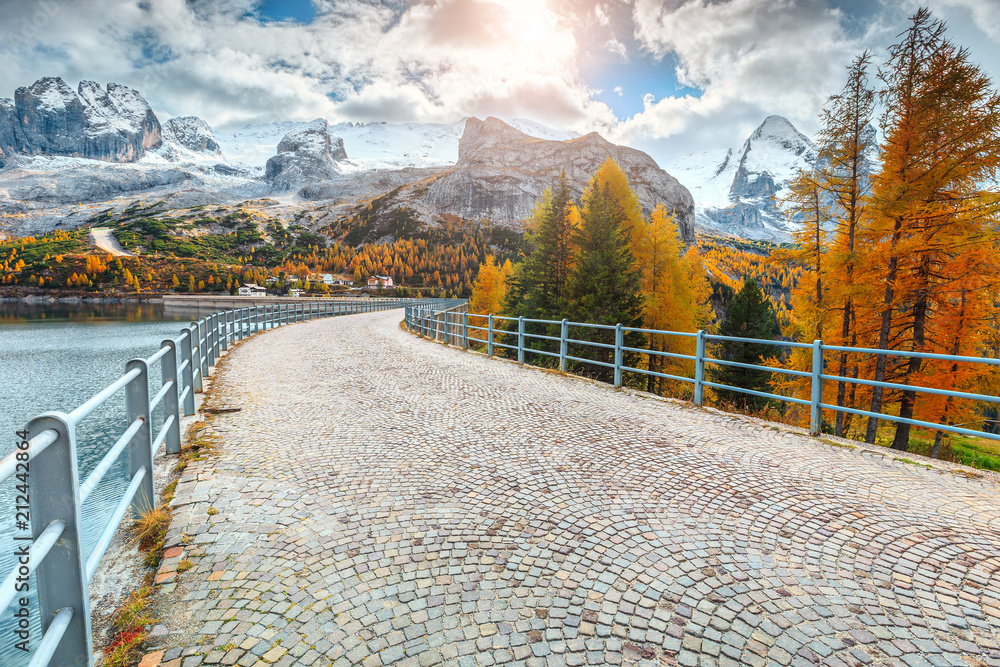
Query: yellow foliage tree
(488, 293)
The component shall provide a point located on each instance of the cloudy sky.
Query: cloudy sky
(671, 76)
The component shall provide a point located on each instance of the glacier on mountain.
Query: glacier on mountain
(737, 192)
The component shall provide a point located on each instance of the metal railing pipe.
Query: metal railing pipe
(815, 411)
(171, 403)
(198, 355)
(97, 474)
(61, 624)
(36, 445)
(98, 399)
(520, 340)
(489, 343)
(187, 371)
(140, 450)
(40, 546)
(60, 576)
(699, 369)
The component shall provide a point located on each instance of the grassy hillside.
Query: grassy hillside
(214, 249)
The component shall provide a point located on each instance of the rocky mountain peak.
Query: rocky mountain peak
(191, 133)
(772, 150)
(112, 123)
(309, 154)
(481, 137)
(501, 172)
(50, 93)
(779, 130)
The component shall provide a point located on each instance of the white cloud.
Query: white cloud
(436, 60)
(617, 48)
(440, 60)
(985, 14)
(749, 59)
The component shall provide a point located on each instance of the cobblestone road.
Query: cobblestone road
(385, 500)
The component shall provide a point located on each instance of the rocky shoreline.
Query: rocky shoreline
(44, 299)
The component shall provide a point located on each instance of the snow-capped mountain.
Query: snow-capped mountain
(737, 191)
(373, 145)
(192, 134)
(310, 154)
(64, 151)
(111, 123)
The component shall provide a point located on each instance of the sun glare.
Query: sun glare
(536, 39)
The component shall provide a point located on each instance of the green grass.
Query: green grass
(968, 450)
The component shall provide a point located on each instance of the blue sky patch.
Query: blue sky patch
(301, 11)
(641, 75)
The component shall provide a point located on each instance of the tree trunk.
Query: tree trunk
(902, 438)
(842, 370)
(885, 327)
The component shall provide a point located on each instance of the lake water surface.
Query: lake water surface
(55, 357)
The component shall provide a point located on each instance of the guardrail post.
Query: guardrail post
(563, 344)
(465, 330)
(815, 412)
(489, 337)
(213, 338)
(171, 402)
(216, 335)
(520, 339)
(224, 336)
(188, 373)
(699, 369)
(619, 343)
(140, 449)
(61, 576)
(197, 358)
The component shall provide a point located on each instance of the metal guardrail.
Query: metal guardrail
(46, 464)
(424, 320)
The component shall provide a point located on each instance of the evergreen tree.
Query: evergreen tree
(749, 315)
(538, 285)
(604, 286)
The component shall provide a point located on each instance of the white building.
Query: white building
(252, 289)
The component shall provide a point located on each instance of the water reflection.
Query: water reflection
(55, 357)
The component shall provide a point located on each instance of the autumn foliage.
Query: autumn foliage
(906, 260)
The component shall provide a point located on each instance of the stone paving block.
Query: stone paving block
(384, 500)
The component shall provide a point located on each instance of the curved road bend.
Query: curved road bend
(385, 500)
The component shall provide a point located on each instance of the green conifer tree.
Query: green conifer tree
(538, 287)
(749, 315)
(604, 286)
